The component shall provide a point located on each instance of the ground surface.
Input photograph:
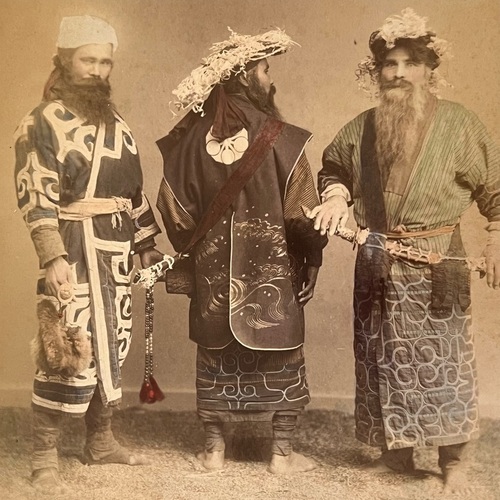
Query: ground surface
(171, 440)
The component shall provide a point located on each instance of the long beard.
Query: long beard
(397, 118)
(262, 100)
(90, 99)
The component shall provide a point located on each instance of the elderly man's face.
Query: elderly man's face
(93, 61)
(398, 66)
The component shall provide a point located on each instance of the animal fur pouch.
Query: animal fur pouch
(57, 348)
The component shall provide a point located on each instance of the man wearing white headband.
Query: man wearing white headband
(411, 167)
(79, 188)
(257, 265)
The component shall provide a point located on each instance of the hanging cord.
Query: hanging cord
(150, 391)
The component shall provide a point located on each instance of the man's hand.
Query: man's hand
(329, 215)
(306, 294)
(492, 255)
(58, 271)
(150, 256)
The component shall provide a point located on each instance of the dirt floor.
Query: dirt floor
(171, 439)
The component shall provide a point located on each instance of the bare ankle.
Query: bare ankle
(211, 460)
(290, 464)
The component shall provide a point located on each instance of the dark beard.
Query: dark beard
(396, 120)
(261, 99)
(90, 99)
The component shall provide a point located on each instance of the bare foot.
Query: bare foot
(290, 464)
(47, 481)
(456, 482)
(380, 467)
(211, 460)
(120, 456)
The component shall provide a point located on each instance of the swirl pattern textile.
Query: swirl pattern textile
(416, 379)
(238, 378)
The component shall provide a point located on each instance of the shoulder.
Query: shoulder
(356, 125)
(48, 111)
(359, 121)
(186, 133)
(352, 131)
(455, 109)
(459, 119)
(29, 121)
(293, 133)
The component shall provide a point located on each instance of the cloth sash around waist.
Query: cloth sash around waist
(90, 207)
(401, 233)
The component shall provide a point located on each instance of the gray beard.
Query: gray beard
(397, 119)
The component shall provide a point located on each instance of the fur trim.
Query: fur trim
(58, 348)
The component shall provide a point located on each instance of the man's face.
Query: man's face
(260, 89)
(91, 62)
(261, 72)
(398, 66)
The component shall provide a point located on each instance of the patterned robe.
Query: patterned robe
(61, 159)
(416, 379)
(247, 267)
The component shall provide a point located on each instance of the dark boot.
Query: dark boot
(101, 446)
(46, 430)
(399, 460)
(451, 462)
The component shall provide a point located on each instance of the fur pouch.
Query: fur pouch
(58, 348)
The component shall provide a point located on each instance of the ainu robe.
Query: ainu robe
(247, 267)
(61, 159)
(416, 382)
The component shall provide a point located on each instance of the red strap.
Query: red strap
(251, 161)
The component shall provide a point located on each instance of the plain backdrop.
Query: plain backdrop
(160, 42)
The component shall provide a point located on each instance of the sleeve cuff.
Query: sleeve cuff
(48, 245)
(335, 190)
(145, 244)
(315, 259)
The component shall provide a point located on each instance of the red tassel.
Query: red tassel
(150, 391)
(159, 396)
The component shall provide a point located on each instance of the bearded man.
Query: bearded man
(257, 266)
(79, 188)
(411, 167)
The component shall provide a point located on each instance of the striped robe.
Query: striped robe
(61, 159)
(416, 379)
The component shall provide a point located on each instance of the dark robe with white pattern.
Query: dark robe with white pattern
(248, 267)
(61, 159)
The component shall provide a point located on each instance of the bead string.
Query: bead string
(148, 331)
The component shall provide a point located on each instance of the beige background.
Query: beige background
(160, 43)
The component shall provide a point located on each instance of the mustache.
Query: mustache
(396, 84)
(89, 83)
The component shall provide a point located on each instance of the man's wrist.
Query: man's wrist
(54, 260)
(336, 190)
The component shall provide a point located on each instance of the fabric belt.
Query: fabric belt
(90, 207)
(401, 233)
